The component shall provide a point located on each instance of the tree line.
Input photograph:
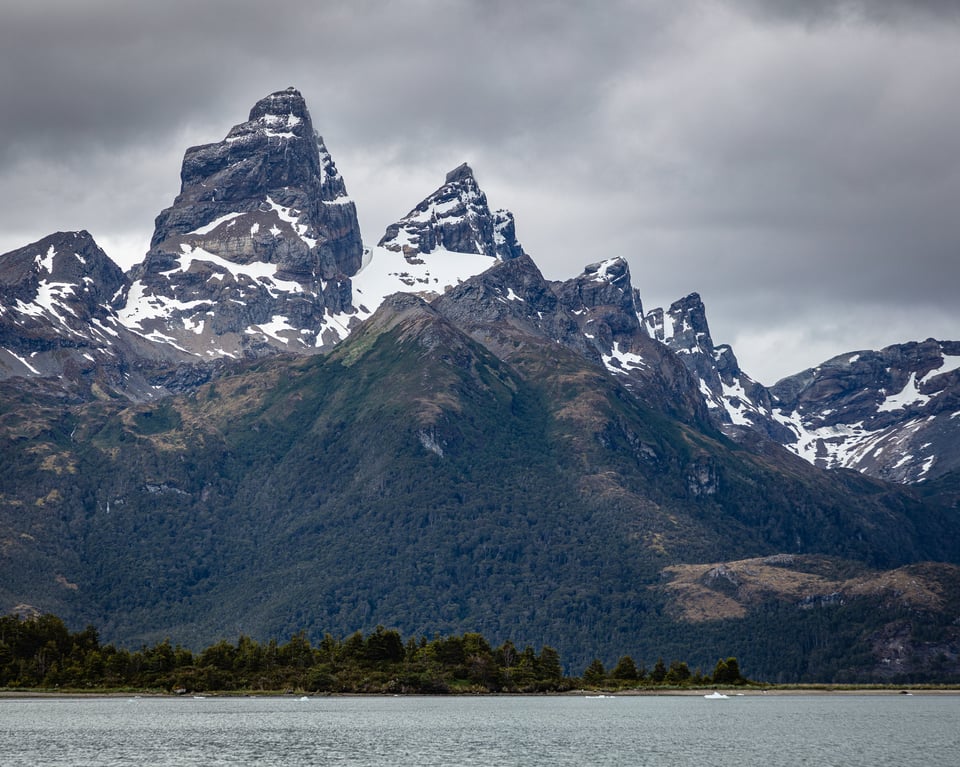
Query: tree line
(40, 652)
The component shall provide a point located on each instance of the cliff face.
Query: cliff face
(257, 250)
(890, 413)
(456, 218)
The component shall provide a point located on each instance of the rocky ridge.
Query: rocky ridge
(892, 414)
(261, 253)
(56, 320)
(456, 218)
(735, 401)
(608, 313)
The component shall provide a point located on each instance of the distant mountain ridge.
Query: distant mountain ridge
(892, 414)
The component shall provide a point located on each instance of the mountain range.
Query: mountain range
(268, 426)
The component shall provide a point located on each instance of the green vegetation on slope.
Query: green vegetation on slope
(415, 480)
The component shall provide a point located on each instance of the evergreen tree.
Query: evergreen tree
(550, 668)
(678, 673)
(659, 672)
(626, 670)
(727, 672)
(595, 674)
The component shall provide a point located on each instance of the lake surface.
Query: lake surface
(752, 730)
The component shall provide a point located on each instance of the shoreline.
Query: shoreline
(731, 692)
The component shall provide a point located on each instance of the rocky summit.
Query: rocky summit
(609, 315)
(891, 413)
(448, 237)
(455, 218)
(257, 250)
(57, 322)
(735, 401)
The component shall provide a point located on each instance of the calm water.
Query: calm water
(748, 731)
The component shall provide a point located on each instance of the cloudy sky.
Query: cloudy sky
(796, 163)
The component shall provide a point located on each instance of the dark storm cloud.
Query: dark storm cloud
(795, 163)
(108, 70)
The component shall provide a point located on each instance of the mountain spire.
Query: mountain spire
(455, 218)
(258, 248)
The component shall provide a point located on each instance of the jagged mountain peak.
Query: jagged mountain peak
(613, 270)
(286, 102)
(274, 162)
(456, 218)
(605, 283)
(734, 400)
(256, 252)
(284, 115)
(608, 312)
(448, 237)
(683, 326)
(64, 277)
(56, 319)
(609, 317)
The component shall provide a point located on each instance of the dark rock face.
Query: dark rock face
(511, 298)
(512, 309)
(608, 312)
(735, 401)
(56, 319)
(69, 267)
(457, 218)
(888, 413)
(258, 247)
(605, 284)
(274, 156)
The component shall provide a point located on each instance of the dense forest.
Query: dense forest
(41, 652)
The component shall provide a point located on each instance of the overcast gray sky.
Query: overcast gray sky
(796, 163)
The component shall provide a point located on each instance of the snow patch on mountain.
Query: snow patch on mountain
(215, 223)
(292, 218)
(620, 362)
(883, 413)
(387, 271)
